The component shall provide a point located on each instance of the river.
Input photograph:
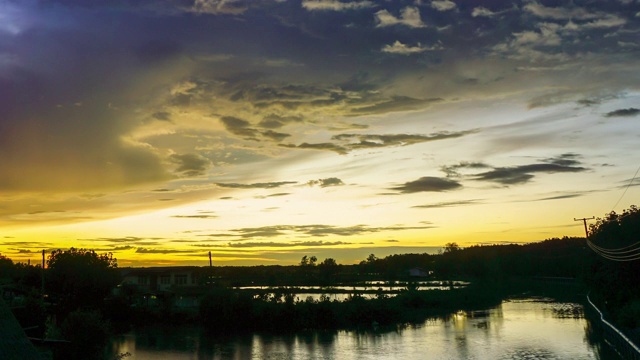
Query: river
(517, 329)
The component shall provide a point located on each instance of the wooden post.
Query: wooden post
(42, 282)
(584, 220)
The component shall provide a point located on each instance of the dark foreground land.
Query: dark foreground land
(82, 309)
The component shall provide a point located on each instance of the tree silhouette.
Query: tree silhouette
(80, 277)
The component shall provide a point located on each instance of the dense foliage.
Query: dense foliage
(614, 283)
(80, 278)
(550, 258)
(223, 310)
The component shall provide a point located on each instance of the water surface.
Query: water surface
(517, 329)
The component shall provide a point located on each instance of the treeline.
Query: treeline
(72, 308)
(555, 257)
(550, 258)
(223, 310)
(614, 271)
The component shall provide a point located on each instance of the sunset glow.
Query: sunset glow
(266, 130)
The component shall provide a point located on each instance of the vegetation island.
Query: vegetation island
(73, 305)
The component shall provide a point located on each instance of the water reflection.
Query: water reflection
(523, 329)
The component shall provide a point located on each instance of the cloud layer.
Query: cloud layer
(200, 110)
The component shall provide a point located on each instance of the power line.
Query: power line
(626, 188)
(619, 251)
(612, 257)
(627, 253)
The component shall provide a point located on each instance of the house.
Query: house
(179, 287)
(419, 272)
(159, 279)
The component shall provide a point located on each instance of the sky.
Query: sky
(265, 130)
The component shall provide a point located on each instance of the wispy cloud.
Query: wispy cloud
(429, 184)
(559, 13)
(315, 230)
(287, 244)
(448, 204)
(623, 112)
(332, 181)
(318, 146)
(163, 251)
(455, 170)
(344, 143)
(336, 5)
(524, 173)
(267, 185)
(373, 141)
(200, 215)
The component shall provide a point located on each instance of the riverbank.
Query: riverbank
(276, 310)
(533, 327)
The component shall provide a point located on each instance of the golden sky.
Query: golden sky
(266, 130)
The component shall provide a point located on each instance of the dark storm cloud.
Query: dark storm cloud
(332, 181)
(428, 183)
(268, 185)
(190, 164)
(623, 112)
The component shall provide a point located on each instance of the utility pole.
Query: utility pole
(210, 272)
(584, 220)
(42, 282)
